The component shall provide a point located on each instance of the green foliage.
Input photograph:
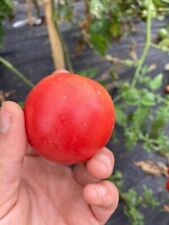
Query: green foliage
(144, 113)
(164, 44)
(91, 72)
(113, 19)
(160, 120)
(64, 10)
(148, 198)
(134, 215)
(5, 11)
(133, 201)
(132, 198)
(117, 179)
(156, 82)
(98, 30)
(121, 117)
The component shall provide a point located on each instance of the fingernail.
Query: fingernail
(4, 120)
(101, 191)
(106, 160)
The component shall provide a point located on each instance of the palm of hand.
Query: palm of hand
(54, 195)
(34, 191)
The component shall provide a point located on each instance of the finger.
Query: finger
(103, 199)
(13, 145)
(101, 165)
(82, 176)
(97, 168)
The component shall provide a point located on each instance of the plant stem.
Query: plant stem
(147, 45)
(29, 12)
(159, 47)
(66, 54)
(148, 139)
(116, 98)
(65, 49)
(116, 60)
(56, 45)
(155, 46)
(16, 72)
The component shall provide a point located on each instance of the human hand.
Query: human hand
(34, 191)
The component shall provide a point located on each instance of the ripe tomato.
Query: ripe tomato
(68, 117)
(167, 185)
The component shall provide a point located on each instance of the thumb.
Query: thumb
(13, 144)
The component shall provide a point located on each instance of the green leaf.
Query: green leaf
(147, 98)
(103, 83)
(100, 35)
(99, 43)
(132, 198)
(148, 199)
(134, 215)
(139, 117)
(130, 94)
(144, 79)
(148, 145)
(156, 82)
(160, 121)
(117, 179)
(9, 3)
(131, 137)
(91, 72)
(163, 144)
(64, 11)
(160, 3)
(144, 70)
(116, 29)
(132, 201)
(121, 117)
(97, 8)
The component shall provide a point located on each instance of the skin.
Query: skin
(34, 191)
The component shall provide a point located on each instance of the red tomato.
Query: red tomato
(68, 117)
(167, 185)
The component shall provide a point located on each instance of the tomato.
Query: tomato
(162, 33)
(167, 185)
(68, 118)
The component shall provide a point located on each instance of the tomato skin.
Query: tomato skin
(162, 33)
(167, 185)
(68, 117)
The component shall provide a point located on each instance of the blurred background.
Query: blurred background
(124, 45)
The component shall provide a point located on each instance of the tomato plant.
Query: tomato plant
(68, 117)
